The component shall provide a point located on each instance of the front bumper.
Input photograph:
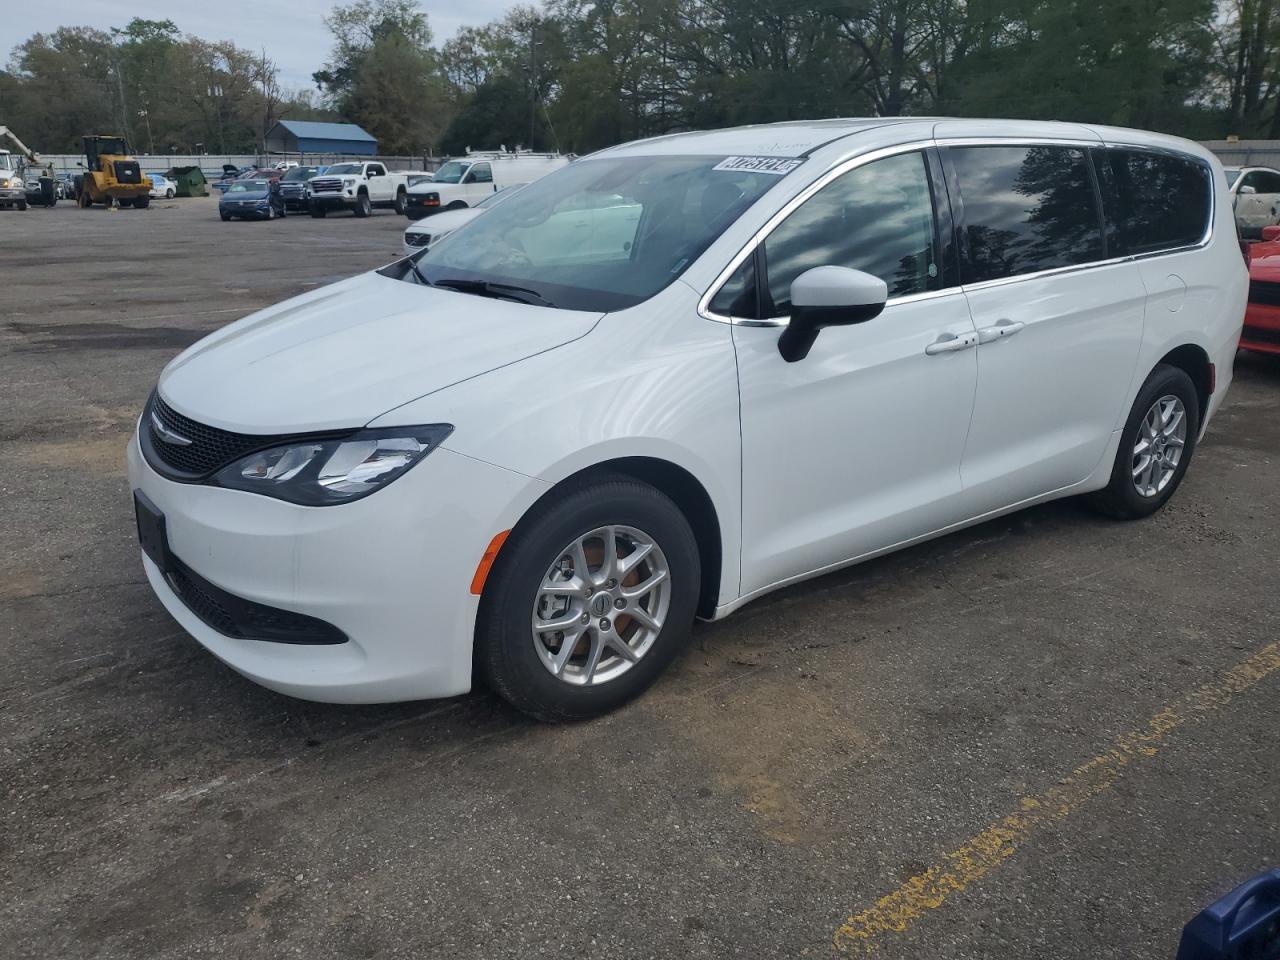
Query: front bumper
(12, 195)
(333, 201)
(1261, 328)
(391, 571)
(252, 210)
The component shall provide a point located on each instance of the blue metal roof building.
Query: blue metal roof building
(305, 136)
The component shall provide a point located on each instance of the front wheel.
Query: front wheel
(363, 207)
(1155, 446)
(591, 597)
(141, 202)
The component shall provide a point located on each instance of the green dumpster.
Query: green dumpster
(190, 181)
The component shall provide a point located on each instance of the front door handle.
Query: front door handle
(950, 343)
(1003, 328)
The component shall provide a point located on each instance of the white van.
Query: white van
(466, 181)
(672, 377)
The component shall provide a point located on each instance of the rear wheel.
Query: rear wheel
(168, 194)
(1156, 446)
(590, 599)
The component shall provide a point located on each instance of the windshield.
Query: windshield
(600, 234)
(248, 186)
(451, 172)
(1232, 174)
(300, 173)
(340, 168)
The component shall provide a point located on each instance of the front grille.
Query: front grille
(1260, 334)
(1261, 291)
(417, 239)
(210, 448)
(243, 619)
(326, 186)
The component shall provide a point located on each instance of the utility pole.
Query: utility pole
(533, 81)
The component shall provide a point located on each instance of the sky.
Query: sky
(291, 30)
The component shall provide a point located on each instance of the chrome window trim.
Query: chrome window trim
(844, 166)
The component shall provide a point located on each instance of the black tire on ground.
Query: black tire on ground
(225, 216)
(363, 207)
(505, 655)
(141, 202)
(22, 204)
(317, 211)
(1120, 498)
(122, 202)
(401, 200)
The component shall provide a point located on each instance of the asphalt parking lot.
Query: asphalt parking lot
(1049, 736)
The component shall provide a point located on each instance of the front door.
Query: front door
(856, 447)
(478, 183)
(1257, 201)
(1058, 343)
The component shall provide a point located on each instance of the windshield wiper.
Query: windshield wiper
(422, 277)
(499, 291)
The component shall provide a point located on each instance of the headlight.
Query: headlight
(4, 183)
(322, 472)
(348, 181)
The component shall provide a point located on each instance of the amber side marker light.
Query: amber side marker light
(486, 562)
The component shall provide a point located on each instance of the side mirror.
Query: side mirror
(829, 297)
(1271, 233)
(1246, 190)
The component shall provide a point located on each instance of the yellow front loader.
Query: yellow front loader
(110, 174)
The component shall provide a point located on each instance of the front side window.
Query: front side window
(376, 170)
(481, 173)
(1263, 181)
(1026, 209)
(341, 168)
(1153, 201)
(601, 234)
(877, 218)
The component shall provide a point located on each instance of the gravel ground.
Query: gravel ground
(1048, 736)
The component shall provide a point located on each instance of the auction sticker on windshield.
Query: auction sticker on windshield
(777, 166)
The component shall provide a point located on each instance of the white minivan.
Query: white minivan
(673, 376)
(466, 181)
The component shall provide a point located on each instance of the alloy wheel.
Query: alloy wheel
(601, 605)
(1161, 441)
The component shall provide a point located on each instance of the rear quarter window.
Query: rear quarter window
(1153, 201)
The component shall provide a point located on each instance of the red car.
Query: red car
(1262, 317)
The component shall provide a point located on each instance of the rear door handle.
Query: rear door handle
(950, 343)
(1003, 328)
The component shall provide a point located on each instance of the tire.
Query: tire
(1121, 498)
(168, 194)
(226, 217)
(363, 207)
(122, 202)
(141, 202)
(507, 654)
(317, 212)
(22, 204)
(400, 202)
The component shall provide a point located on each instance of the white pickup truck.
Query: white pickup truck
(358, 187)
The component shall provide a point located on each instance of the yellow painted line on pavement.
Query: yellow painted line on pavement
(894, 913)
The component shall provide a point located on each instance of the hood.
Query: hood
(340, 356)
(262, 194)
(1264, 261)
(443, 222)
